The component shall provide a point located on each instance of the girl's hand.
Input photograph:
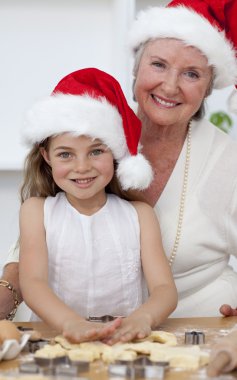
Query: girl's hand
(79, 330)
(131, 328)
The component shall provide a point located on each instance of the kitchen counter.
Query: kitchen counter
(213, 328)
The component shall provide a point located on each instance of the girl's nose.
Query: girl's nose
(82, 165)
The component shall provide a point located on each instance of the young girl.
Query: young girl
(83, 249)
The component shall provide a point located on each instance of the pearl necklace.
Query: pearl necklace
(183, 197)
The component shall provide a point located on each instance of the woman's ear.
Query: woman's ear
(45, 155)
(210, 86)
(208, 91)
(133, 88)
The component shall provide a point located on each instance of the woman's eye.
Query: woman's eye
(191, 75)
(159, 65)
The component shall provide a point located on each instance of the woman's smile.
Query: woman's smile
(163, 102)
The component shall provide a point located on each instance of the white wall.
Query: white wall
(9, 206)
(41, 41)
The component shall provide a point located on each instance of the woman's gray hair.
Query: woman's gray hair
(137, 59)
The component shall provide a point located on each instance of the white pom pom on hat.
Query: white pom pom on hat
(91, 102)
(133, 170)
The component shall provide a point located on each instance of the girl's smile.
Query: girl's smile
(84, 182)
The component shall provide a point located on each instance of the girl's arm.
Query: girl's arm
(162, 291)
(33, 271)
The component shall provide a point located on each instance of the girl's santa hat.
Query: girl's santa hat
(209, 25)
(91, 102)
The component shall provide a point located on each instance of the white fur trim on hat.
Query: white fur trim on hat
(77, 114)
(195, 30)
(134, 172)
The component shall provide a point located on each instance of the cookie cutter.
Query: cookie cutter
(35, 335)
(29, 367)
(103, 318)
(66, 370)
(32, 347)
(59, 366)
(23, 328)
(194, 337)
(141, 367)
(80, 365)
(50, 362)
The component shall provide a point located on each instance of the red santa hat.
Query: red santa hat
(230, 17)
(199, 23)
(91, 102)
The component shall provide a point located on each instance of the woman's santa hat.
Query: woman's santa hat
(91, 102)
(198, 23)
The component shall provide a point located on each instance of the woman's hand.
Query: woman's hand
(78, 330)
(228, 311)
(131, 328)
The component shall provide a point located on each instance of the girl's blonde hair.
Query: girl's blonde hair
(38, 180)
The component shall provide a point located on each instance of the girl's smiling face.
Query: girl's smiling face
(81, 167)
(171, 82)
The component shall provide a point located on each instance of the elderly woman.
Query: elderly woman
(180, 56)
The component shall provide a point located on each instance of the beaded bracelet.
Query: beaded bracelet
(7, 285)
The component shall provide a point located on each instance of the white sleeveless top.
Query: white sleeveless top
(94, 261)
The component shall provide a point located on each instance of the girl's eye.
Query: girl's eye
(96, 152)
(192, 75)
(64, 155)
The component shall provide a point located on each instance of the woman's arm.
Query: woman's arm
(225, 309)
(162, 291)
(10, 294)
(34, 280)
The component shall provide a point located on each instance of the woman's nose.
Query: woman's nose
(170, 83)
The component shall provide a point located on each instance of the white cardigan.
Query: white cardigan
(209, 232)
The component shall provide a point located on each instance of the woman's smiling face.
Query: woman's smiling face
(171, 81)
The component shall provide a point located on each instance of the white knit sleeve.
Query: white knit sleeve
(232, 223)
(13, 254)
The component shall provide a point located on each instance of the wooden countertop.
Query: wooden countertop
(213, 328)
